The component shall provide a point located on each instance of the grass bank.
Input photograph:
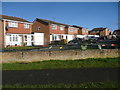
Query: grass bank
(80, 85)
(20, 48)
(61, 64)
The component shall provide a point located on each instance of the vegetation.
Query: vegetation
(81, 85)
(61, 64)
(19, 48)
(23, 48)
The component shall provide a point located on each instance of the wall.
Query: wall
(73, 30)
(19, 30)
(58, 55)
(56, 31)
(44, 28)
(1, 34)
(105, 32)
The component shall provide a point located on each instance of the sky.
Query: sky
(85, 14)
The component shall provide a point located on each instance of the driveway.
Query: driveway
(54, 76)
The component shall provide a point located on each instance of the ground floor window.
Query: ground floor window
(25, 38)
(66, 37)
(14, 38)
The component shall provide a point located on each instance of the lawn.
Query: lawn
(61, 64)
(20, 48)
(80, 85)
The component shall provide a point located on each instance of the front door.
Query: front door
(29, 43)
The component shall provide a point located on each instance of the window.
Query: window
(59, 36)
(54, 26)
(66, 37)
(14, 38)
(61, 27)
(32, 38)
(83, 31)
(75, 30)
(25, 38)
(13, 24)
(26, 26)
(52, 37)
(55, 37)
(10, 38)
(71, 30)
(38, 28)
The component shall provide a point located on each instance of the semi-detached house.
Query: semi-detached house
(20, 32)
(15, 31)
(53, 31)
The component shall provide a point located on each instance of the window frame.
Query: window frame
(13, 38)
(62, 27)
(54, 26)
(13, 24)
(26, 26)
(38, 28)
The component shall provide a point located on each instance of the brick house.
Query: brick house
(116, 32)
(100, 31)
(15, 31)
(81, 30)
(53, 31)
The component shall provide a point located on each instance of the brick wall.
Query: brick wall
(73, 31)
(56, 31)
(44, 28)
(1, 34)
(20, 29)
(105, 32)
(58, 55)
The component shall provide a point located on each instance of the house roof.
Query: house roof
(13, 18)
(116, 32)
(49, 21)
(98, 29)
(77, 26)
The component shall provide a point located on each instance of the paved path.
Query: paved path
(60, 76)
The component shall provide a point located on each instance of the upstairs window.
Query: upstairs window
(75, 30)
(71, 29)
(13, 24)
(54, 26)
(61, 27)
(38, 28)
(26, 26)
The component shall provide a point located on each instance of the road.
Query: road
(54, 76)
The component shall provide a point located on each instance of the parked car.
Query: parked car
(94, 38)
(109, 43)
(75, 41)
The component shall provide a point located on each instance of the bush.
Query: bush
(64, 41)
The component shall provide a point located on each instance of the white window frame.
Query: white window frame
(54, 26)
(26, 26)
(61, 27)
(14, 38)
(38, 28)
(75, 29)
(71, 29)
(25, 38)
(13, 24)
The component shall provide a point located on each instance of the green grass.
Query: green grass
(61, 64)
(80, 85)
(19, 48)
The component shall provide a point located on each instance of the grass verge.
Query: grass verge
(80, 85)
(61, 64)
(19, 48)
